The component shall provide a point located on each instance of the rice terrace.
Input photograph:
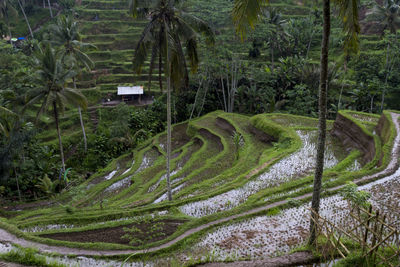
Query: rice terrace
(199, 133)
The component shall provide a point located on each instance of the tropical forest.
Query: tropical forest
(215, 133)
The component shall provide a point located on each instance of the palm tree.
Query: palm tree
(169, 30)
(246, 14)
(52, 93)
(66, 34)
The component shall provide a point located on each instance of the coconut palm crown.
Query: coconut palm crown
(169, 26)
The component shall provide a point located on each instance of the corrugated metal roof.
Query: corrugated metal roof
(130, 90)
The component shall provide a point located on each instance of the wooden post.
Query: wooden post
(364, 244)
(374, 234)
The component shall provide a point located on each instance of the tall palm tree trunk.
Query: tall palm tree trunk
(168, 72)
(81, 120)
(59, 136)
(321, 121)
(51, 11)
(26, 18)
(160, 62)
(169, 136)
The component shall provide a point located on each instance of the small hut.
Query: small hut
(130, 93)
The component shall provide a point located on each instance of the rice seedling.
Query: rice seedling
(296, 165)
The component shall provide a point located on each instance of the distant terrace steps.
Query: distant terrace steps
(108, 26)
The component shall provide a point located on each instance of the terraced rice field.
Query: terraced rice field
(108, 26)
(212, 186)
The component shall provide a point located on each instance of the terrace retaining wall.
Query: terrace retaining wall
(353, 136)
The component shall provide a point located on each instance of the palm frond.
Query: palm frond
(83, 45)
(348, 12)
(143, 45)
(3, 129)
(75, 97)
(61, 101)
(32, 100)
(84, 59)
(154, 54)
(6, 118)
(191, 50)
(197, 25)
(6, 112)
(45, 105)
(182, 77)
(246, 13)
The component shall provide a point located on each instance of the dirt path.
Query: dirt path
(295, 259)
(10, 238)
(9, 264)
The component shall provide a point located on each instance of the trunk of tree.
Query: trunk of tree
(59, 136)
(83, 128)
(51, 11)
(160, 62)
(16, 179)
(195, 100)
(81, 120)
(26, 18)
(223, 94)
(169, 136)
(233, 90)
(340, 96)
(44, 4)
(319, 168)
(159, 73)
(168, 72)
(309, 44)
(228, 91)
(173, 106)
(231, 87)
(272, 58)
(204, 100)
(372, 103)
(388, 69)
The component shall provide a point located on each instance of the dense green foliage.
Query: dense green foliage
(266, 83)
